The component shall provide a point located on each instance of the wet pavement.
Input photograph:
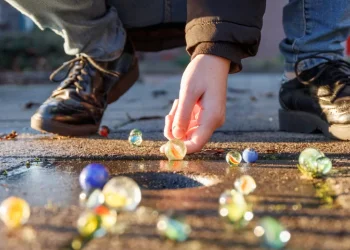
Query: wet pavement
(317, 212)
(189, 188)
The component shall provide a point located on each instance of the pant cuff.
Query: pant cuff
(311, 62)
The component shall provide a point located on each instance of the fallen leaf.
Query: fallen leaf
(9, 136)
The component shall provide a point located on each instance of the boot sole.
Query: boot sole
(51, 126)
(303, 122)
(42, 125)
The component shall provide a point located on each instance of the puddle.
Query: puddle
(58, 181)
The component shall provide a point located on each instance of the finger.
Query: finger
(183, 114)
(169, 121)
(199, 138)
(167, 127)
(174, 107)
(201, 134)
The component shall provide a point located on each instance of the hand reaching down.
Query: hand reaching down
(201, 106)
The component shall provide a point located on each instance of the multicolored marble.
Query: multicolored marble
(122, 193)
(93, 176)
(250, 155)
(175, 150)
(14, 212)
(245, 184)
(233, 207)
(135, 137)
(232, 196)
(173, 228)
(233, 158)
(272, 234)
(108, 217)
(88, 223)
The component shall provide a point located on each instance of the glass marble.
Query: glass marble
(233, 206)
(14, 212)
(250, 155)
(104, 131)
(175, 150)
(307, 154)
(173, 228)
(232, 196)
(135, 137)
(93, 176)
(313, 163)
(245, 184)
(95, 199)
(77, 243)
(233, 158)
(88, 223)
(122, 193)
(272, 233)
(108, 217)
(324, 165)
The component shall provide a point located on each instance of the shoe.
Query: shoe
(318, 99)
(76, 107)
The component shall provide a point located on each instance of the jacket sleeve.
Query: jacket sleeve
(225, 28)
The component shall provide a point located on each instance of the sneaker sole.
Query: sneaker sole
(303, 122)
(125, 82)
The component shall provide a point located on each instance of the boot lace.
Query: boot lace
(75, 77)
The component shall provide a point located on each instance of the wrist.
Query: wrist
(221, 63)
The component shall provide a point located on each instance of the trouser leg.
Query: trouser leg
(88, 27)
(314, 27)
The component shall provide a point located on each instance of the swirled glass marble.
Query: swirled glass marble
(245, 184)
(135, 137)
(233, 207)
(233, 158)
(175, 150)
(88, 223)
(173, 229)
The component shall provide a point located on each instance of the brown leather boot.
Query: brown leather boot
(76, 107)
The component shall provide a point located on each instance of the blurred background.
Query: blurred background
(25, 49)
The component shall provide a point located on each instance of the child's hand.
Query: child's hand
(201, 106)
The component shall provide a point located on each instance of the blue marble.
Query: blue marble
(93, 176)
(250, 155)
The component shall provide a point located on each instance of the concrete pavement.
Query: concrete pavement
(251, 122)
